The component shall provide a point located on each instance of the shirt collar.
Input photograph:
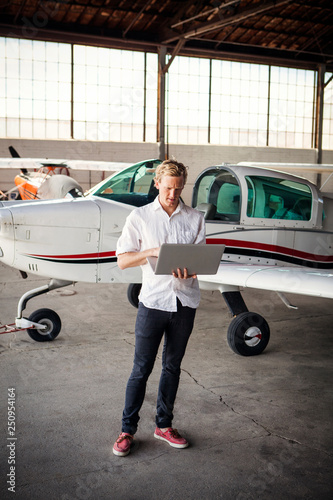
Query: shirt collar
(157, 205)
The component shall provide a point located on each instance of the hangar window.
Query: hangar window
(35, 89)
(291, 107)
(239, 103)
(328, 113)
(54, 90)
(187, 100)
(115, 94)
(273, 198)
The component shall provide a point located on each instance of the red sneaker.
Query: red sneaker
(122, 446)
(172, 437)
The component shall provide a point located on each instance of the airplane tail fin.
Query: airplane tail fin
(13, 152)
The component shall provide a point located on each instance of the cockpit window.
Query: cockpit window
(273, 198)
(217, 195)
(133, 186)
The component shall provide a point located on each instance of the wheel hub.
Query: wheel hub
(252, 336)
(48, 326)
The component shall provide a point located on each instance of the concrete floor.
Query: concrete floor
(259, 427)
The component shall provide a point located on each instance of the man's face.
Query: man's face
(170, 189)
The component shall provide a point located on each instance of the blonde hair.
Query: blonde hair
(173, 168)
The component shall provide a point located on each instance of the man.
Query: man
(167, 304)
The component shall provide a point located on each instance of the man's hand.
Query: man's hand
(134, 259)
(182, 274)
(154, 252)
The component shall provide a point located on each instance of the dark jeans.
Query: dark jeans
(151, 325)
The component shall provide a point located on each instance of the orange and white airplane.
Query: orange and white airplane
(45, 179)
(277, 229)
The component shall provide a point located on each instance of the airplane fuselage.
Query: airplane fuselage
(76, 240)
(255, 215)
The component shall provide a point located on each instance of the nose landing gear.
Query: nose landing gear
(47, 325)
(42, 325)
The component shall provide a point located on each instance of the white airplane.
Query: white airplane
(277, 228)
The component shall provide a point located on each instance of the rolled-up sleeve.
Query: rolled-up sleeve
(130, 239)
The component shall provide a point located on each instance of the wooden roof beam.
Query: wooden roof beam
(215, 25)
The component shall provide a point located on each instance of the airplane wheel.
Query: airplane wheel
(45, 317)
(248, 334)
(133, 292)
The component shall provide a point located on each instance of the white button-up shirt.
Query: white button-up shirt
(150, 226)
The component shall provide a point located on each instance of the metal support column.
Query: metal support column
(161, 102)
(319, 113)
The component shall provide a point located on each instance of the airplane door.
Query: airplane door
(113, 216)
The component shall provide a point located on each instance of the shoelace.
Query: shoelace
(122, 437)
(174, 433)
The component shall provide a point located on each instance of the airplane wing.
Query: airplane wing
(288, 279)
(36, 163)
(302, 167)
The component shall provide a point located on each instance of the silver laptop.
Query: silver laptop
(198, 259)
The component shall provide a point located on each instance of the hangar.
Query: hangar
(250, 52)
(258, 429)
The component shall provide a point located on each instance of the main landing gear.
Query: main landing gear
(42, 325)
(248, 333)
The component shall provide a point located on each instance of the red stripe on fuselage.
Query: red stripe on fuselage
(265, 247)
(98, 255)
(270, 248)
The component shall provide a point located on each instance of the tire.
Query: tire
(45, 317)
(133, 292)
(248, 334)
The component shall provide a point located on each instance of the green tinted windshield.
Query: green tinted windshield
(133, 186)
